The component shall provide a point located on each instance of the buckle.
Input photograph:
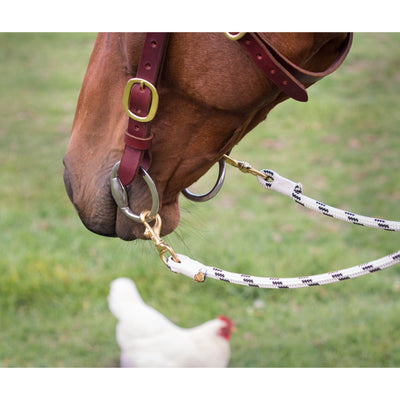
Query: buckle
(234, 36)
(154, 99)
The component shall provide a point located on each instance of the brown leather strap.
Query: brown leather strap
(289, 77)
(138, 143)
(137, 136)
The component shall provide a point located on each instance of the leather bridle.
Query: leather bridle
(140, 99)
(290, 78)
(140, 102)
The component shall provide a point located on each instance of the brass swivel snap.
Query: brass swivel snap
(153, 233)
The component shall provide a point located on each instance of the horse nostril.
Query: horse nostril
(67, 184)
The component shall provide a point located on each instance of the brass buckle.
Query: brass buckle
(234, 36)
(154, 99)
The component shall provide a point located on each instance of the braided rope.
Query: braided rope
(293, 190)
(199, 272)
(194, 270)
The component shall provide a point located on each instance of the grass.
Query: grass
(342, 145)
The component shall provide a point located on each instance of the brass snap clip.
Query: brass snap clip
(153, 233)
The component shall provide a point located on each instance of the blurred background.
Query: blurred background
(343, 145)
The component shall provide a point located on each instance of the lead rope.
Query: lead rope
(271, 180)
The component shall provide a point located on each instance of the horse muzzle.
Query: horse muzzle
(107, 208)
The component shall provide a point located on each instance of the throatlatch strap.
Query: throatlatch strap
(289, 77)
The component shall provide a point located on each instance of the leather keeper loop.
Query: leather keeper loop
(137, 142)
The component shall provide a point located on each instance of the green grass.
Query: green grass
(343, 145)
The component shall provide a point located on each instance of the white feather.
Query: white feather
(148, 339)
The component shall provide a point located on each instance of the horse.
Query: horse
(211, 94)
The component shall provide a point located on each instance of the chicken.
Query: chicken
(148, 339)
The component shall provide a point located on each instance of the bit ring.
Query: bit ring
(121, 197)
(213, 192)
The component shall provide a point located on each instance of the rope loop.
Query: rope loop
(271, 180)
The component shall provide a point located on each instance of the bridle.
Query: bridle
(289, 77)
(140, 101)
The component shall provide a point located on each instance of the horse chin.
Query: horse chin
(129, 230)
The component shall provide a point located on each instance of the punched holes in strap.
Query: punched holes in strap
(289, 77)
(140, 102)
(272, 68)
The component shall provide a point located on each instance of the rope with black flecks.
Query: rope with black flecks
(273, 181)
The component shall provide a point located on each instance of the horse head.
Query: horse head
(211, 95)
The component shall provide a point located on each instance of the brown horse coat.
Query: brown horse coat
(211, 95)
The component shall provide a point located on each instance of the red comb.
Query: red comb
(226, 331)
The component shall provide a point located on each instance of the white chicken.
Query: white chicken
(148, 339)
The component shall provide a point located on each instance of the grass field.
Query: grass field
(343, 145)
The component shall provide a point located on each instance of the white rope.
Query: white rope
(199, 272)
(293, 190)
(193, 269)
